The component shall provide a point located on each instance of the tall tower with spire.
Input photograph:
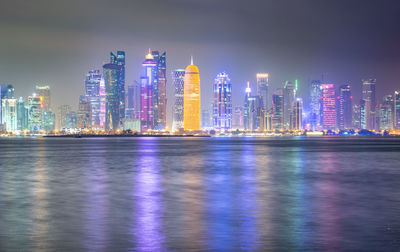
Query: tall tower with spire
(192, 107)
(146, 93)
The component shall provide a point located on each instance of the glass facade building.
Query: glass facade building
(178, 78)
(222, 106)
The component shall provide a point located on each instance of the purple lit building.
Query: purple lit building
(328, 106)
(146, 93)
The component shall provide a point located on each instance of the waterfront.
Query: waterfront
(237, 193)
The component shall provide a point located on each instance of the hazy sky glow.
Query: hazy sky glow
(57, 42)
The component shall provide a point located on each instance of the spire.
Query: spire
(191, 59)
(248, 89)
(149, 55)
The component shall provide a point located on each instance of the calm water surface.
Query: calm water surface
(216, 194)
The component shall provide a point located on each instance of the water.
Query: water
(217, 194)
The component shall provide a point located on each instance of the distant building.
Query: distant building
(386, 114)
(84, 115)
(48, 121)
(133, 102)
(396, 119)
(252, 111)
(262, 89)
(278, 110)
(6, 92)
(35, 113)
(63, 111)
(22, 115)
(192, 106)
(237, 118)
(44, 93)
(315, 94)
(206, 119)
(92, 91)
(356, 116)
(368, 95)
(71, 120)
(9, 113)
(178, 78)
(222, 106)
(344, 108)
(297, 114)
(159, 92)
(328, 107)
(147, 83)
(289, 96)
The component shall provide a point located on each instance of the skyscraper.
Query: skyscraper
(147, 98)
(237, 118)
(92, 91)
(344, 108)
(48, 121)
(9, 113)
(84, 115)
(192, 106)
(119, 60)
(63, 111)
(112, 78)
(252, 111)
(162, 90)
(328, 106)
(44, 93)
(262, 89)
(356, 124)
(178, 78)
(22, 118)
(289, 95)
(35, 113)
(222, 106)
(396, 118)
(368, 95)
(6, 92)
(278, 109)
(297, 120)
(315, 94)
(387, 113)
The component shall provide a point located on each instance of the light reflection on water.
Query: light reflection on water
(152, 194)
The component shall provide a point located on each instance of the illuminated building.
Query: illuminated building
(262, 89)
(44, 92)
(133, 102)
(103, 102)
(192, 106)
(84, 115)
(178, 78)
(396, 118)
(63, 110)
(119, 60)
(92, 91)
(35, 113)
(71, 120)
(278, 110)
(363, 120)
(315, 93)
(386, 115)
(222, 106)
(6, 92)
(288, 98)
(160, 90)
(297, 114)
(328, 106)
(206, 119)
(252, 111)
(9, 113)
(237, 118)
(368, 95)
(112, 74)
(356, 116)
(344, 108)
(22, 115)
(48, 121)
(146, 93)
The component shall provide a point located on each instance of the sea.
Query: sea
(200, 194)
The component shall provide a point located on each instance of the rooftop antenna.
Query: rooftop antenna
(191, 59)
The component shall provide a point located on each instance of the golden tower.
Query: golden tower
(191, 99)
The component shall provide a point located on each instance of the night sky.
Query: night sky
(56, 42)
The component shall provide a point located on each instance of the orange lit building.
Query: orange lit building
(191, 99)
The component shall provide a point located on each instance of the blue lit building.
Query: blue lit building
(222, 106)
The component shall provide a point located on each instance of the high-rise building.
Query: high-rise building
(262, 89)
(35, 113)
(63, 111)
(237, 118)
(315, 94)
(252, 111)
(386, 115)
(71, 120)
(9, 113)
(289, 96)
(222, 106)
(92, 91)
(133, 102)
(356, 117)
(328, 106)
(278, 110)
(344, 108)
(396, 118)
(119, 60)
(368, 95)
(48, 121)
(44, 93)
(22, 117)
(297, 120)
(192, 106)
(178, 78)
(161, 89)
(112, 77)
(84, 115)
(147, 98)
(103, 103)
(206, 119)
(6, 92)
